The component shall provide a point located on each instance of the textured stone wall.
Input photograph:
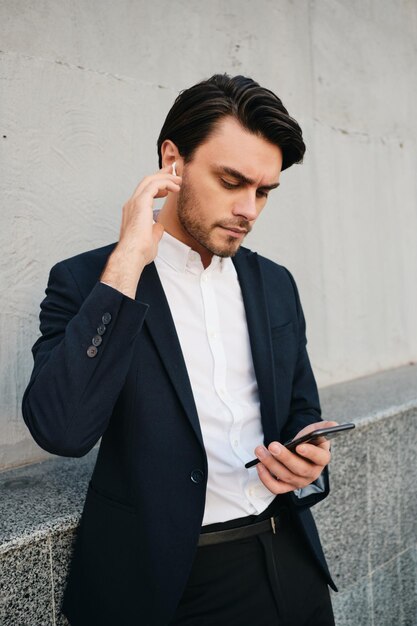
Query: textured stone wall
(84, 89)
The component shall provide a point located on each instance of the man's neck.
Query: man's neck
(167, 216)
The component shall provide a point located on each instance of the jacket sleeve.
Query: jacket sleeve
(304, 409)
(74, 384)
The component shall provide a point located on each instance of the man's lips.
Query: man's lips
(234, 232)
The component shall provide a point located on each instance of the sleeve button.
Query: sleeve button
(106, 319)
(101, 329)
(92, 351)
(96, 340)
(197, 476)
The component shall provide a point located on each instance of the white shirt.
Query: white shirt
(209, 316)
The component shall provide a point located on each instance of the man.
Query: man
(186, 354)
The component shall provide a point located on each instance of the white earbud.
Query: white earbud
(174, 168)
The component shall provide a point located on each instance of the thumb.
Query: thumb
(158, 231)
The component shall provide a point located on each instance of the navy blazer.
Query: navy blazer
(144, 507)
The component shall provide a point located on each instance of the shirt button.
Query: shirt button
(251, 491)
(205, 279)
(197, 476)
(101, 329)
(106, 319)
(96, 340)
(92, 351)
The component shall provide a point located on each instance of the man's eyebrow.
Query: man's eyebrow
(242, 178)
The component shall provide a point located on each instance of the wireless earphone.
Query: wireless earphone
(174, 168)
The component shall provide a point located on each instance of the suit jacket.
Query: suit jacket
(142, 515)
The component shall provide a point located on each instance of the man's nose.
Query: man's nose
(246, 207)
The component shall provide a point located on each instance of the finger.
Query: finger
(299, 463)
(275, 486)
(277, 453)
(160, 176)
(301, 470)
(297, 482)
(159, 189)
(158, 231)
(317, 454)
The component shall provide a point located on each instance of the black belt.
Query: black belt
(233, 534)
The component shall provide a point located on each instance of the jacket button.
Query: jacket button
(96, 340)
(197, 476)
(106, 319)
(92, 351)
(101, 329)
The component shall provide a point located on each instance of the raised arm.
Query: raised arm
(83, 356)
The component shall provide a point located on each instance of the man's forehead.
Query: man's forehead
(234, 147)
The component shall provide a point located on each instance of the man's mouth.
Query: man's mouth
(235, 232)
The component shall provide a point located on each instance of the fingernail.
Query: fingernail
(275, 448)
(261, 452)
(301, 449)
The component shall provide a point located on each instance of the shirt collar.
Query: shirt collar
(174, 252)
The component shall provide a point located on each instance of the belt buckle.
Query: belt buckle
(274, 529)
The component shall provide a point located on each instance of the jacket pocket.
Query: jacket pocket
(108, 500)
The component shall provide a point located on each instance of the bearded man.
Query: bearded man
(186, 353)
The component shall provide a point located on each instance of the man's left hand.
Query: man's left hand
(282, 471)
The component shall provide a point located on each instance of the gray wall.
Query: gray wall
(85, 86)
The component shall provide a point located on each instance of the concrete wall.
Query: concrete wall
(85, 86)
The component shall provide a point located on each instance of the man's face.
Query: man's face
(225, 187)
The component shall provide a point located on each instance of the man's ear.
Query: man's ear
(170, 154)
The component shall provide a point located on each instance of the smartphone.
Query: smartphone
(326, 433)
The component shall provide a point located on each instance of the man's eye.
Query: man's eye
(261, 194)
(228, 185)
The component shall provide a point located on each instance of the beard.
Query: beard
(190, 214)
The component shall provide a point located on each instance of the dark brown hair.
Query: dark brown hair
(196, 110)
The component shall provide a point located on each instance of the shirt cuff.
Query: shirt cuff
(316, 487)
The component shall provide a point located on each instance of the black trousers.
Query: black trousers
(266, 580)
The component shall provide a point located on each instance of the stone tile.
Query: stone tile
(407, 573)
(353, 606)
(25, 586)
(386, 591)
(342, 517)
(62, 545)
(39, 498)
(384, 492)
(407, 436)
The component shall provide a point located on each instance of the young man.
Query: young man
(187, 354)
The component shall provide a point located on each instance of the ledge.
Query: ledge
(371, 398)
(42, 498)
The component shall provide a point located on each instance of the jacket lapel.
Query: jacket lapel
(254, 299)
(164, 335)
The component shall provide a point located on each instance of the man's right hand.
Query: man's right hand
(139, 237)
